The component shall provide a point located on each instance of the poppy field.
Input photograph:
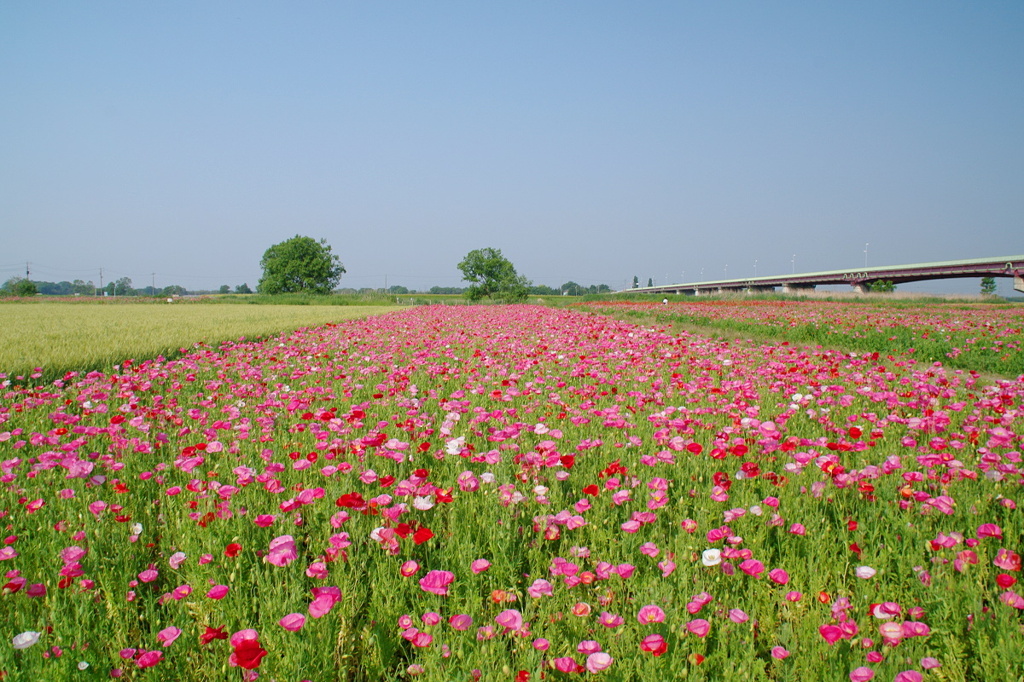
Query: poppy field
(985, 337)
(513, 493)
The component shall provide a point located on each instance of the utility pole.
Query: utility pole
(153, 274)
(101, 282)
(28, 275)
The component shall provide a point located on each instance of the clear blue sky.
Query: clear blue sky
(589, 141)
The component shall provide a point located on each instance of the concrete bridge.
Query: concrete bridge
(860, 279)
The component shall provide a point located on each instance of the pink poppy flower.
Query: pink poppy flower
(908, 676)
(409, 568)
(149, 659)
(480, 565)
(778, 576)
(861, 674)
(218, 592)
(738, 616)
(293, 622)
(176, 560)
(831, 633)
(282, 551)
(752, 567)
(565, 664)
(654, 644)
(599, 661)
(510, 619)
(540, 588)
(779, 652)
(699, 627)
(460, 621)
(650, 614)
(167, 636)
(437, 582)
(324, 599)
(541, 644)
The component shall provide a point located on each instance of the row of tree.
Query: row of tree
(19, 286)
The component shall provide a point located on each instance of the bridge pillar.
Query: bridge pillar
(797, 288)
(862, 288)
(1018, 283)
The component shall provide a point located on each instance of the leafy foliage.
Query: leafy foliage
(493, 276)
(988, 286)
(300, 264)
(19, 286)
(882, 286)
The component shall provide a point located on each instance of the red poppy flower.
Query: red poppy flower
(249, 653)
(422, 535)
(212, 634)
(232, 550)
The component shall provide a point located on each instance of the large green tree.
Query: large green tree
(493, 276)
(300, 264)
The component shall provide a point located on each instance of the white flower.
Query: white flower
(82, 665)
(423, 503)
(136, 529)
(864, 572)
(25, 639)
(711, 557)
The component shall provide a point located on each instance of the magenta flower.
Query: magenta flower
(832, 633)
(409, 568)
(908, 676)
(293, 622)
(752, 567)
(861, 674)
(324, 599)
(540, 588)
(460, 621)
(437, 582)
(598, 661)
(282, 551)
(778, 576)
(480, 565)
(149, 659)
(167, 636)
(218, 592)
(738, 616)
(565, 664)
(510, 619)
(650, 614)
(699, 627)
(779, 652)
(654, 644)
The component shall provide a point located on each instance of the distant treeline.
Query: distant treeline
(19, 286)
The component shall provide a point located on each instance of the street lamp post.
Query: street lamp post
(755, 267)
(865, 254)
(793, 261)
